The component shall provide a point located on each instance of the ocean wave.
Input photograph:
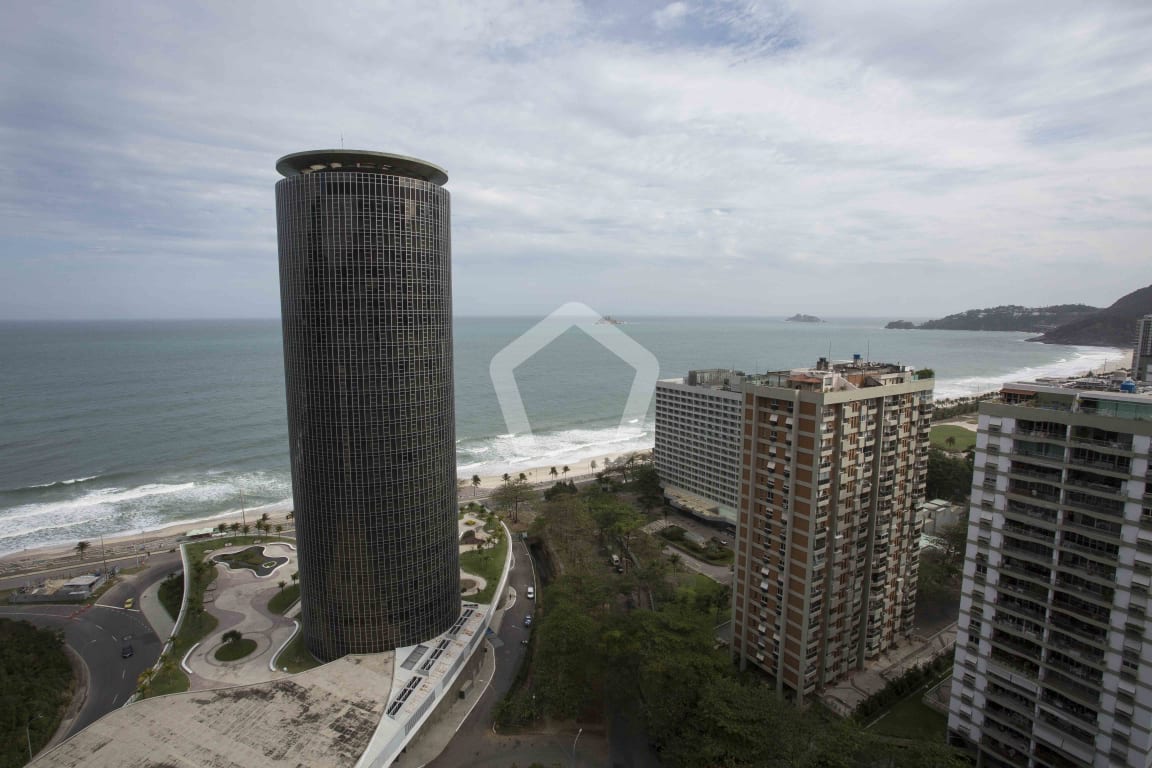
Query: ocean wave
(61, 482)
(1083, 360)
(508, 453)
(113, 510)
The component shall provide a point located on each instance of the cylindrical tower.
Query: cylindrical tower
(366, 293)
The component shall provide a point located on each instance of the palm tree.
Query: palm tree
(82, 547)
(950, 441)
(295, 576)
(553, 472)
(279, 528)
(566, 470)
(223, 527)
(593, 466)
(523, 477)
(475, 484)
(264, 517)
(291, 515)
(281, 584)
(245, 528)
(507, 478)
(235, 527)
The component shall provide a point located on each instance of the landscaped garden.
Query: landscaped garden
(252, 558)
(711, 552)
(487, 560)
(235, 646)
(295, 657)
(284, 599)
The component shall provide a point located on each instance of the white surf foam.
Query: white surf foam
(515, 453)
(1085, 359)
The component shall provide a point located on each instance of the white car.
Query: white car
(531, 593)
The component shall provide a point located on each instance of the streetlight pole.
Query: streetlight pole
(243, 513)
(103, 553)
(574, 746)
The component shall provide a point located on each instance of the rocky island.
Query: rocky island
(799, 318)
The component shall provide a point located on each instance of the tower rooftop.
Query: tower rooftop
(359, 161)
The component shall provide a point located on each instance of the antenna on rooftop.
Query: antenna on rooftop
(341, 139)
(868, 351)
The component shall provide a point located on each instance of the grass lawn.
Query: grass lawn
(169, 679)
(235, 650)
(911, 718)
(284, 599)
(489, 565)
(965, 438)
(295, 657)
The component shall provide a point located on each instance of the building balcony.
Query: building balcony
(1096, 504)
(1082, 694)
(1110, 489)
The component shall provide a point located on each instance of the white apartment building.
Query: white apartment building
(1053, 655)
(697, 447)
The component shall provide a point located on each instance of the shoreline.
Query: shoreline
(1096, 359)
(165, 537)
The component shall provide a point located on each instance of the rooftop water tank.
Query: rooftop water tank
(1128, 386)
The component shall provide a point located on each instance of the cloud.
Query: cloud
(856, 153)
(670, 16)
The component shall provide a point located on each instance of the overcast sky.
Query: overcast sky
(836, 157)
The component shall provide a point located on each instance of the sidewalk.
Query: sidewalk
(155, 613)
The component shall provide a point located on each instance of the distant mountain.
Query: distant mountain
(1114, 326)
(1005, 318)
(798, 318)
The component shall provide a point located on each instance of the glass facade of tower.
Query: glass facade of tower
(365, 281)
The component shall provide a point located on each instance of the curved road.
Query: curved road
(97, 634)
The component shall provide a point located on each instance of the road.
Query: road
(475, 744)
(97, 634)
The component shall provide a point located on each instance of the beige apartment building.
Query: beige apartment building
(834, 461)
(1053, 653)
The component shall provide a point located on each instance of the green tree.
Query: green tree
(592, 466)
(947, 477)
(246, 528)
(646, 483)
(553, 472)
(232, 636)
(475, 484)
(82, 547)
(511, 495)
(507, 478)
(566, 470)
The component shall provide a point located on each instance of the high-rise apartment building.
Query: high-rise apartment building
(1053, 655)
(365, 283)
(833, 469)
(697, 443)
(1142, 350)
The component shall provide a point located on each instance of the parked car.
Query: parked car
(127, 651)
(531, 593)
(528, 620)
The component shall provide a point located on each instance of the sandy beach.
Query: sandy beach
(162, 539)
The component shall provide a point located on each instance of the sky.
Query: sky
(886, 158)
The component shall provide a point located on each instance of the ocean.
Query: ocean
(117, 427)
